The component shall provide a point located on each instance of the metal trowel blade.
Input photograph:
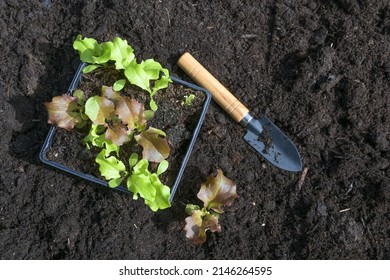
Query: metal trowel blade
(267, 139)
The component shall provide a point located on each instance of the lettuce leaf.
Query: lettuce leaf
(142, 74)
(63, 112)
(217, 191)
(139, 182)
(91, 51)
(147, 185)
(111, 94)
(117, 133)
(131, 113)
(121, 53)
(163, 192)
(154, 144)
(199, 223)
(110, 167)
(99, 109)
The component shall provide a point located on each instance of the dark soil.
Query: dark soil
(319, 69)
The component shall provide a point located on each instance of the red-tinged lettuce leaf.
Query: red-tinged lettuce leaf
(63, 111)
(155, 146)
(99, 109)
(131, 113)
(111, 94)
(217, 191)
(199, 223)
(117, 134)
(97, 138)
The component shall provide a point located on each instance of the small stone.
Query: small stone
(21, 169)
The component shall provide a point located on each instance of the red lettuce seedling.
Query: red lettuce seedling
(64, 111)
(131, 112)
(155, 146)
(215, 193)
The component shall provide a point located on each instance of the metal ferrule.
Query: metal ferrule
(246, 119)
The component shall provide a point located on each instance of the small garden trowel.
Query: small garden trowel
(262, 134)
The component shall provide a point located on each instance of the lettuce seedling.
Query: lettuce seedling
(102, 111)
(148, 185)
(65, 111)
(111, 168)
(97, 138)
(144, 73)
(215, 193)
(188, 99)
(148, 75)
(139, 180)
(92, 52)
(132, 113)
(155, 147)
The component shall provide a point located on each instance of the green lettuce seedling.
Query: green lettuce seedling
(188, 99)
(148, 75)
(139, 180)
(215, 193)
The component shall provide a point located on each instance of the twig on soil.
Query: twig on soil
(302, 179)
(169, 18)
(345, 210)
(249, 36)
(349, 189)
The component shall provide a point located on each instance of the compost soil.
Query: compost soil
(319, 69)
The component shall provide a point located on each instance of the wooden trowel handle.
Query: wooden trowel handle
(220, 94)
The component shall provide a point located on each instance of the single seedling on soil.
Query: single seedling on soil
(215, 193)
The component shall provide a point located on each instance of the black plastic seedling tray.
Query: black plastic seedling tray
(76, 80)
